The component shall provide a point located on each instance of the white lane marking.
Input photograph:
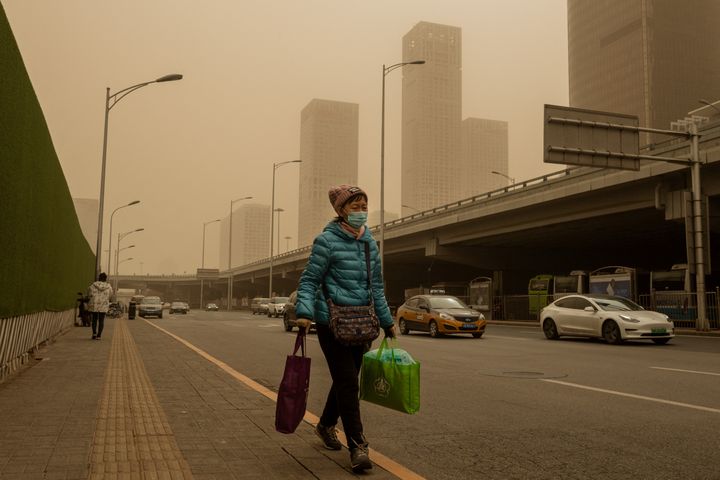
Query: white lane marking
(632, 395)
(686, 371)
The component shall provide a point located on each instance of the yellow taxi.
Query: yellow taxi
(439, 315)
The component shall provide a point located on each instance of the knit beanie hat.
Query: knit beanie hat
(341, 194)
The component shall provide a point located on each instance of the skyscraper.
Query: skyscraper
(484, 150)
(250, 236)
(329, 154)
(432, 96)
(650, 58)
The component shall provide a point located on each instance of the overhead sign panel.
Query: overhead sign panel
(590, 138)
(206, 273)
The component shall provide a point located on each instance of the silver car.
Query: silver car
(612, 318)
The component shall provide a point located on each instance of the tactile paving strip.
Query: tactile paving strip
(133, 439)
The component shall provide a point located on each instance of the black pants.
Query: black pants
(343, 399)
(98, 322)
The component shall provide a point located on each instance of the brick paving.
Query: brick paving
(138, 404)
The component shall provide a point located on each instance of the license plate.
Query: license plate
(658, 330)
(469, 327)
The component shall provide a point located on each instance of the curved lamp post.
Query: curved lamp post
(134, 202)
(230, 292)
(202, 280)
(272, 221)
(385, 71)
(511, 179)
(110, 102)
(117, 255)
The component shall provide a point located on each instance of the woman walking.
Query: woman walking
(337, 267)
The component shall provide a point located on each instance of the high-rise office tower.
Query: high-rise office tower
(484, 150)
(650, 58)
(432, 96)
(329, 154)
(250, 235)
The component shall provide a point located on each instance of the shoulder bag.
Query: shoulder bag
(354, 325)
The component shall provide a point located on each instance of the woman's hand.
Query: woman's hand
(390, 332)
(303, 323)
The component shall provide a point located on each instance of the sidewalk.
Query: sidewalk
(138, 404)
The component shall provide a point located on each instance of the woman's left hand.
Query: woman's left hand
(390, 331)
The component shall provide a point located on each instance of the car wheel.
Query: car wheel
(434, 333)
(160, 316)
(403, 327)
(611, 333)
(550, 329)
(288, 327)
(477, 335)
(660, 341)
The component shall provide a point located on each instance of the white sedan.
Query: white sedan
(603, 316)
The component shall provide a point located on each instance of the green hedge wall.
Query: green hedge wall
(44, 257)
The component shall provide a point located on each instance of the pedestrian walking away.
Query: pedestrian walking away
(99, 294)
(338, 268)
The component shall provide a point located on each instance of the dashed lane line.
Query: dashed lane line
(632, 395)
(379, 459)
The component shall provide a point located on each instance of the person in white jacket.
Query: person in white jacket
(99, 294)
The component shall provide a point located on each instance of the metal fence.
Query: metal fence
(682, 307)
(20, 336)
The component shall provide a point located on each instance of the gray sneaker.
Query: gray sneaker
(359, 458)
(328, 436)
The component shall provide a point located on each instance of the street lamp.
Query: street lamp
(287, 242)
(411, 208)
(232, 202)
(279, 211)
(709, 104)
(202, 280)
(385, 71)
(124, 260)
(512, 180)
(272, 221)
(110, 102)
(134, 202)
(117, 255)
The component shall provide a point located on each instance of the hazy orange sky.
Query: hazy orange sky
(185, 149)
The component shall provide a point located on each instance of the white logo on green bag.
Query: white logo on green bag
(382, 387)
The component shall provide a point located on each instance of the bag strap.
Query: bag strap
(367, 265)
(300, 342)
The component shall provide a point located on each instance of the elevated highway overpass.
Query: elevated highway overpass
(578, 218)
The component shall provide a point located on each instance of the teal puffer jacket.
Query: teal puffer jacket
(338, 260)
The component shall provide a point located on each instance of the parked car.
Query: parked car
(276, 306)
(259, 305)
(289, 317)
(187, 306)
(438, 315)
(178, 307)
(211, 307)
(612, 318)
(151, 307)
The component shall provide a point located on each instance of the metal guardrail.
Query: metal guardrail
(22, 335)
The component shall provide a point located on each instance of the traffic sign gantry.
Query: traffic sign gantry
(589, 138)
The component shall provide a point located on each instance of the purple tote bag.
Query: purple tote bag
(293, 392)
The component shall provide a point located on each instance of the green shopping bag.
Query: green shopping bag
(391, 378)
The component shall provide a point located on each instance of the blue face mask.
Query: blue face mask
(357, 219)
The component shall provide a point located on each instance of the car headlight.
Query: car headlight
(445, 316)
(628, 318)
